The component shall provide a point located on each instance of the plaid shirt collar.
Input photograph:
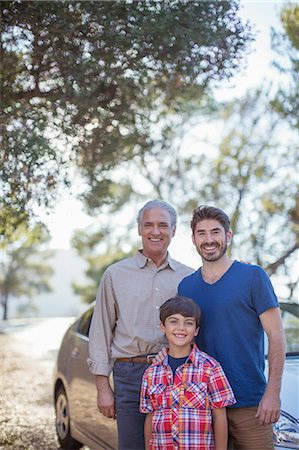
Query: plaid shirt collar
(193, 358)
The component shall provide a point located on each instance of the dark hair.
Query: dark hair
(158, 204)
(209, 212)
(180, 305)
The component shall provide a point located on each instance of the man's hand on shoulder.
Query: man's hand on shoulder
(159, 358)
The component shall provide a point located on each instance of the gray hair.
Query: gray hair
(158, 204)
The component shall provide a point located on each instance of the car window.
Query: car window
(290, 319)
(84, 322)
(291, 328)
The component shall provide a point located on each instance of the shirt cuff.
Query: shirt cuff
(98, 368)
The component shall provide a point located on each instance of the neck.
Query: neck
(180, 352)
(157, 259)
(213, 270)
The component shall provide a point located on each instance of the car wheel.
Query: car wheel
(62, 422)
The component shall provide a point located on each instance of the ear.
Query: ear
(139, 230)
(173, 231)
(229, 236)
(162, 328)
(196, 331)
(193, 239)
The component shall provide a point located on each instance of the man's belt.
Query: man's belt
(145, 359)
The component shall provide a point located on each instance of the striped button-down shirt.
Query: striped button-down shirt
(126, 321)
(182, 405)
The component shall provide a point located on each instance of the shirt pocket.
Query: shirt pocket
(195, 395)
(157, 393)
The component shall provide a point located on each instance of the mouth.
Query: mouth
(209, 248)
(179, 335)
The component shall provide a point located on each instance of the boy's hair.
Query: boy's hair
(209, 212)
(180, 305)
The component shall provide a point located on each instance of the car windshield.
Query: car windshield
(290, 318)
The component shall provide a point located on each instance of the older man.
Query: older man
(125, 328)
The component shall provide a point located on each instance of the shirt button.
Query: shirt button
(156, 289)
(157, 307)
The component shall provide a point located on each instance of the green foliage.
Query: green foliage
(248, 170)
(85, 81)
(86, 245)
(287, 46)
(248, 167)
(24, 271)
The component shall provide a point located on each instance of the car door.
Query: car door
(85, 415)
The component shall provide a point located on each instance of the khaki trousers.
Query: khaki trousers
(245, 431)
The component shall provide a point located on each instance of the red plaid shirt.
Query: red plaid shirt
(182, 405)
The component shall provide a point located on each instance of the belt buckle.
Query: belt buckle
(150, 357)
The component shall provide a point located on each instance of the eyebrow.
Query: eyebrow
(213, 229)
(148, 222)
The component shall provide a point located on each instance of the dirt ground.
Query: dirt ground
(26, 408)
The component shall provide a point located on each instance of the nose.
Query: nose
(209, 237)
(156, 229)
(181, 326)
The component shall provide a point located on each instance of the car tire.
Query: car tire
(62, 422)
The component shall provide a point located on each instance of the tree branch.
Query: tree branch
(272, 268)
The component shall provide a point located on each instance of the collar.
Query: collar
(193, 358)
(143, 260)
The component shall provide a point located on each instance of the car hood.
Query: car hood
(290, 388)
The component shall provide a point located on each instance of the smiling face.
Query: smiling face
(211, 239)
(180, 332)
(156, 232)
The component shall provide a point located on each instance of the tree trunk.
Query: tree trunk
(5, 306)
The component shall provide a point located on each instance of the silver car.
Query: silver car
(78, 421)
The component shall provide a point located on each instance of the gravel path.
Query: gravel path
(26, 408)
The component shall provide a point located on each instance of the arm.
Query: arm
(269, 406)
(220, 428)
(105, 397)
(100, 339)
(148, 430)
(102, 327)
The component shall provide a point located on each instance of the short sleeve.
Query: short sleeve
(145, 405)
(263, 295)
(219, 390)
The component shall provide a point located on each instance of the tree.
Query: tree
(84, 82)
(245, 169)
(87, 245)
(248, 168)
(286, 44)
(23, 268)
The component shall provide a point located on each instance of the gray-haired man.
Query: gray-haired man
(125, 328)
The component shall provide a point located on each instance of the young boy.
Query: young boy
(185, 396)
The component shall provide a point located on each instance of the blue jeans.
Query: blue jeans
(130, 422)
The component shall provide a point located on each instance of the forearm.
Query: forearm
(220, 428)
(269, 406)
(276, 357)
(102, 383)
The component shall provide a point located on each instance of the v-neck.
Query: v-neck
(219, 279)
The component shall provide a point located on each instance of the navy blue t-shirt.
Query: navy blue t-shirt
(176, 362)
(230, 329)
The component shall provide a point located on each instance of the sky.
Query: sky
(68, 214)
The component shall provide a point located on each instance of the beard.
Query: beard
(216, 255)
